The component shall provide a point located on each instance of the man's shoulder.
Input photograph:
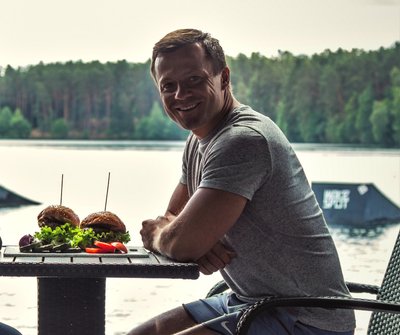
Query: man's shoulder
(239, 142)
(246, 114)
(244, 124)
(246, 118)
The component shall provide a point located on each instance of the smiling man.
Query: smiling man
(243, 205)
(194, 94)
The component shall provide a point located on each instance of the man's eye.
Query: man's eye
(195, 79)
(168, 87)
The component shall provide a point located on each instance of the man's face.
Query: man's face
(192, 95)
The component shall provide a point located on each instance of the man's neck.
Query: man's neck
(222, 115)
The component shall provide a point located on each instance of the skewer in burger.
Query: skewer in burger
(107, 226)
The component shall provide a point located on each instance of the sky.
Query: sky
(33, 31)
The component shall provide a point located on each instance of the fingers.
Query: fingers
(151, 229)
(224, 253)
(205, 271)
(147, 233)
(213, 262)
(209, 264)
(216, 259)
(206, 267)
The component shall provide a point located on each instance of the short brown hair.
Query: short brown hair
(182, 37)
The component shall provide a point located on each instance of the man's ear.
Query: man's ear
(225, 78)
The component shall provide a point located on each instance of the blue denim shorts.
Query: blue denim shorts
(222, 312)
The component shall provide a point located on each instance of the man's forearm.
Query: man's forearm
(162, 236)
(203, 221)
(169, 241)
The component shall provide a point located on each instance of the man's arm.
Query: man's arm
(178, 200)
(197, 228)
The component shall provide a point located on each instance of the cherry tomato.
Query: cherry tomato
(106, 247)
(119, 246)
(94, 251)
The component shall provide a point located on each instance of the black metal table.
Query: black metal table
(72, 287)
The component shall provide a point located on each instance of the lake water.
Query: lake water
(143, 175)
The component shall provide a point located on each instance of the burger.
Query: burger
(59, 231)
(57, 215)
(107, 227)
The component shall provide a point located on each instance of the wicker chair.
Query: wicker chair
(385, 317)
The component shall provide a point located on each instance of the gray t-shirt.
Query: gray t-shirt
(281, 239)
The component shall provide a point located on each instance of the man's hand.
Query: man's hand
(151, 232)
(217, 258)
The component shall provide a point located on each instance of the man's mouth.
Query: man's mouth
(186, 108)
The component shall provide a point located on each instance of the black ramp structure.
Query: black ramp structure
(355, 204)
(12, 199)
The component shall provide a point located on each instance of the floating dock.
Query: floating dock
(11, 199)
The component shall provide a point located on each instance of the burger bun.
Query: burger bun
(57, 215)
(103, 221)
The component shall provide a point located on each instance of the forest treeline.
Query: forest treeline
(350, 97)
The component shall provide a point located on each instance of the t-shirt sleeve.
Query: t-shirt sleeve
(184, 174)
(183, 179)
(238, 162)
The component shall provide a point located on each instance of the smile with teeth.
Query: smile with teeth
(187, 108)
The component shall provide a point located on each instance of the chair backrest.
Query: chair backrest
(387, 323)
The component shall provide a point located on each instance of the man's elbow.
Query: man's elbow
(184, 252)
(179, 247)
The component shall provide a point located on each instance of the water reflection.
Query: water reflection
(359, 232)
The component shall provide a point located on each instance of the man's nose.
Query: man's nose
(182, 91)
